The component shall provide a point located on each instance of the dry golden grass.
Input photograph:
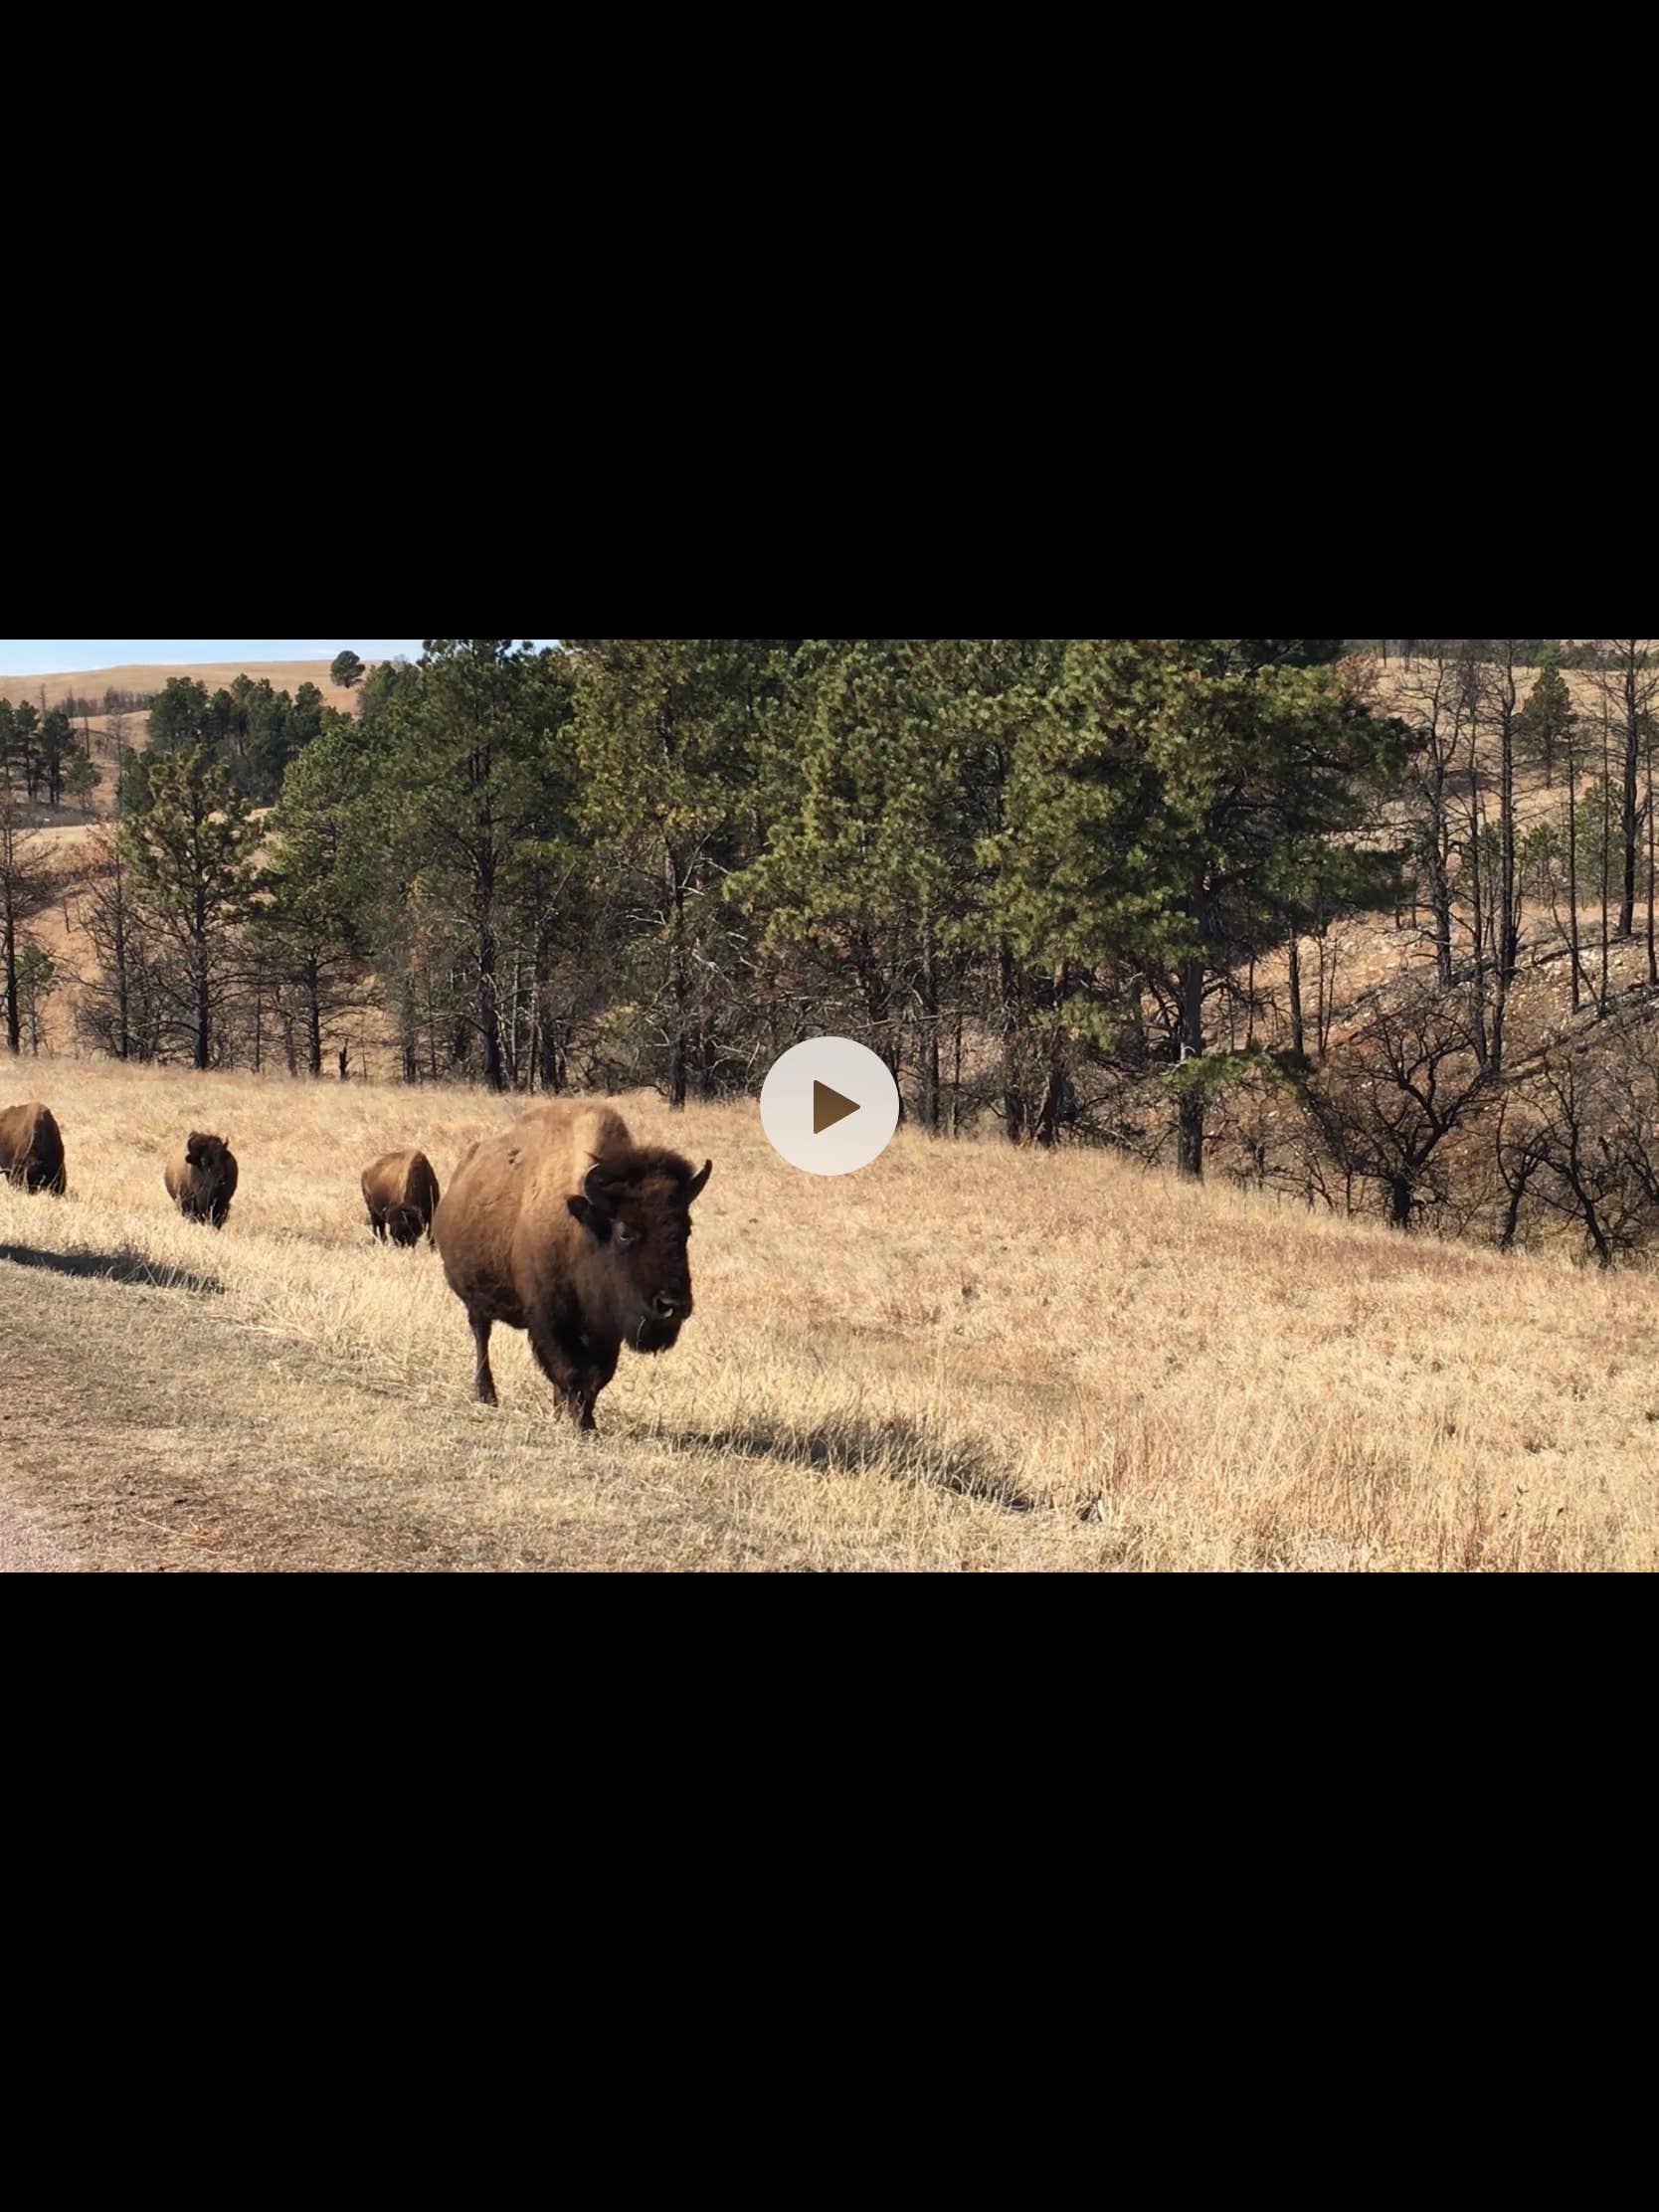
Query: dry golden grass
(962, 1357)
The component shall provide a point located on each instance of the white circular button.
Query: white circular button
(829, 1106)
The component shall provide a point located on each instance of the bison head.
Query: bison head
(405, 1225)
(203, 1152)
(636, 1207)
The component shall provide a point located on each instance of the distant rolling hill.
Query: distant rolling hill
(92, 684)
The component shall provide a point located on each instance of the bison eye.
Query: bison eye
(626, 1236)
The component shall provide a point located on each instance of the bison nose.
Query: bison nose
(665, 1305)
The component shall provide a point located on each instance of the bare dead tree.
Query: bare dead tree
(123, 994)
(1594, 1120)
(1497, 708)
(1437, 702)
(1470, 684)
(1397, 1087)
(1626, 677)
(1518, 1155)
(1570, 745)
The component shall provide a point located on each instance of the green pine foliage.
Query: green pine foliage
(191, 851)
(1544, 725)
(1020, 870)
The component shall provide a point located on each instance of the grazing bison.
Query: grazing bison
(401, 1193)
(32, 1148)
(201, 1181)
(565, 1228)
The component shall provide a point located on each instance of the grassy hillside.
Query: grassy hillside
(963, 1357)
(142, 676)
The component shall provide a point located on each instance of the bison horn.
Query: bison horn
(595, 1187)
(697, 1180)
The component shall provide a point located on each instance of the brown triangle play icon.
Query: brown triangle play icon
(829, 1107)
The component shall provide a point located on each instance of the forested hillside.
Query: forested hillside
(1369, 920)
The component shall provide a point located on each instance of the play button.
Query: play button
(829, 1106)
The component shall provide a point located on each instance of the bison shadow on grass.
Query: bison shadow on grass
(124, 1266)
(901, 1449)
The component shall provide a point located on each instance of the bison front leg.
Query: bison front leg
(483, 1383)
(563, 1359)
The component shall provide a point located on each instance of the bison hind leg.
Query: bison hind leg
(483, 1383)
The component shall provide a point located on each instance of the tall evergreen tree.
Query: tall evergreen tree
(1543, 723)
(57, 749)
(667, 732)
(1169, 801)
(190, 852)
(25, 887)
(314, 895)
(473, 765)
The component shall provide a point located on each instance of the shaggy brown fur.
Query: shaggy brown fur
(401, 1193)
(565, 1228)
(201, 1181)
(32, 1148)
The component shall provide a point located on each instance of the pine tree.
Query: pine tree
(190, 852)
(473, 765)
(57, 749)
(1176, 801)
(666, 734)
(81, 777)
(1547, 719)
(37, 979)
(25, 887)
(181, 715)
(314, 896)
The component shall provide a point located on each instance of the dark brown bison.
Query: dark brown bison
(32, 1148)
(565, 1228)
(201, 1181)
(401, 1193)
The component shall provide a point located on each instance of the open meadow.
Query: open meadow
(964, 1356)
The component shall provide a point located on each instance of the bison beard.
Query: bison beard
(564, 1227)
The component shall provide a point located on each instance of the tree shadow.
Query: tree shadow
(901, 1450)
(129, 1265)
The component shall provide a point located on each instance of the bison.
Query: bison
(32, 1148)
(201, 1181)
(565, 1228)
(401, 1193)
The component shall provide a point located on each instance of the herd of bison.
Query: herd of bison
(561, 1227)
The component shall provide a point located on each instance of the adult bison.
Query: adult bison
(201, 1179)
(565, 1228)
(32, 1148)
(401, 1193)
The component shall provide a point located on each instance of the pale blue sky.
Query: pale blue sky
(45, 656)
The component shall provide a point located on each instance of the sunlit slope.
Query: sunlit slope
(962, 1356)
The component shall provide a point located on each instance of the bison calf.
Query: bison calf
(201, 1181)
(32, 1148)
(565, 1228)
(401, 1193)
